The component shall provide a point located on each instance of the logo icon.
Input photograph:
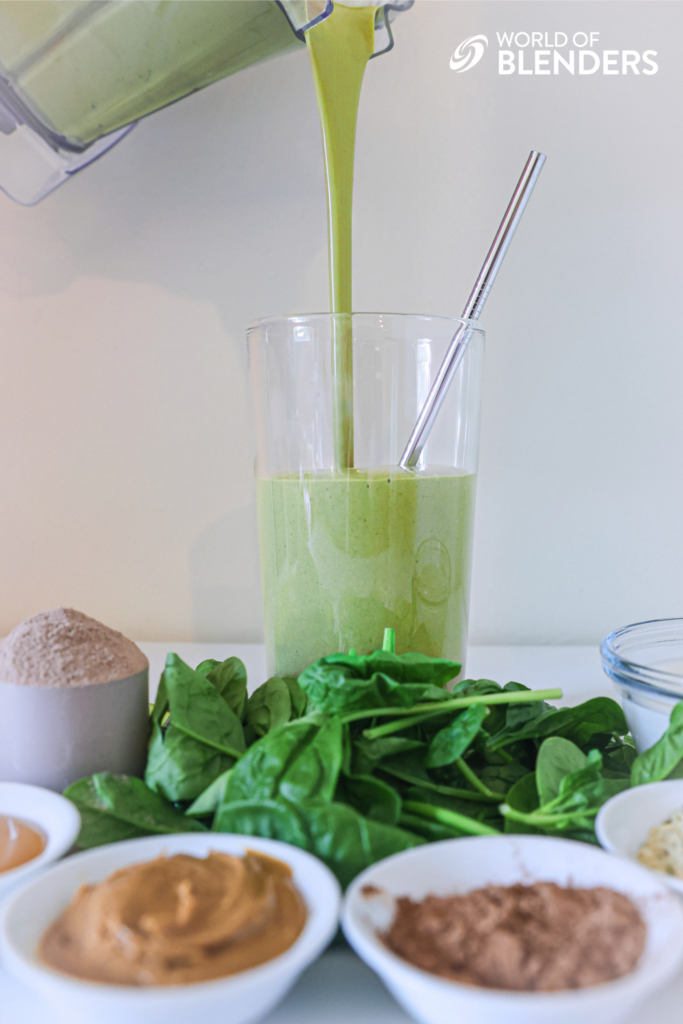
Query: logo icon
(468, 53)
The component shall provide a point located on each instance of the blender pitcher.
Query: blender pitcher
(75, 75)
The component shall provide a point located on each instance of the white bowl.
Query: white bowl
(460, 865)
(237, 999)
(54, 815)
(624, 822)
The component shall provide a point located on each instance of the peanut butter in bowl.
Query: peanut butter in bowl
(176, 920)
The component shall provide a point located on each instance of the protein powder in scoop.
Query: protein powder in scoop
(63, 647)
(73, 701)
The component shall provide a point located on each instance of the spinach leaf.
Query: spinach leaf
(595, 716)
(348, 842)
(549, 722)
(451, 743)
(410, 771)
(198, 710)
(557, 757)
(296, 696)
(343, 839)
(524, 721)
(475, 687)
(580, 795)
(116, 807)
(341, 683)
(581, 788)
(580, 723)
(269, 706)
(501, 777)
(229, 677)
(664, 756)
(204, 667)
(203, 739)
(179, 767)
(270, 819)
(207, 802)
(518, 713)
(372, 797)
(299, 761)
(522, 797)
(387, 746)
(618, 759)
(368, 753)
(160, 703)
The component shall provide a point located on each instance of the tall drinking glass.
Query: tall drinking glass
(346, 552)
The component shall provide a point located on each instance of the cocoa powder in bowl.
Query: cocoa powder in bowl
(540, 937)
(63, 647)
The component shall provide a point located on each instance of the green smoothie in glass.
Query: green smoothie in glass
(346, 553)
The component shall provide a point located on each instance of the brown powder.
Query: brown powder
(538, 937)
(63, 647)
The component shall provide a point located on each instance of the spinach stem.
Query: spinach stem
(452, 818)
(460, 794)
(420, 712)
(475, 781)
(413, 822)
(389, 643)
(536, 818)
(402, 723)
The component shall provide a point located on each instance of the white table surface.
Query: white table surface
(339, 988)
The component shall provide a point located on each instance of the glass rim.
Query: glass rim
(303, 317)
(631, 673)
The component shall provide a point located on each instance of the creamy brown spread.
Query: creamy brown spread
(178, 919)
(19, 842)
(538, 937)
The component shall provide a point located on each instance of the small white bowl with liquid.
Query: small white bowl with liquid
(53, 816)
(645, 663)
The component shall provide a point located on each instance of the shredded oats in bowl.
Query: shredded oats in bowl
(663, 850)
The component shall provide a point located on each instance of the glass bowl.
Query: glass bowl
(645, 663)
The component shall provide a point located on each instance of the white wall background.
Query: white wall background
(125, 450)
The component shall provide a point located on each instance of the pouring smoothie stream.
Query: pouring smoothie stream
(350, 543)
(339, 50)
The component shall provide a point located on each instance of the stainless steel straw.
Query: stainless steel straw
(475, 304)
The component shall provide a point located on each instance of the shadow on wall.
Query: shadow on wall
(224, 580)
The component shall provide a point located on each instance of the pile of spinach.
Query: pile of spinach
(364, 756)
